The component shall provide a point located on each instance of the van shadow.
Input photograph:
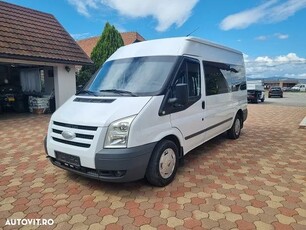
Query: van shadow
(201, 155)
(110, 187)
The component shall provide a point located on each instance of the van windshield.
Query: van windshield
(132, 76)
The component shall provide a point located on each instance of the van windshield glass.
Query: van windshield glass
(132, 76)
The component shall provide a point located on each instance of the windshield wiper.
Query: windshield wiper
(87, 91)
(119, 91)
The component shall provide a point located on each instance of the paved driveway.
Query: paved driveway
(289, 99)
(258, 181)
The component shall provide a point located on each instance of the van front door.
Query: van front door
(190, 117)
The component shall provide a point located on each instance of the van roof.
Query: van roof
(207, 42)
(178, 46)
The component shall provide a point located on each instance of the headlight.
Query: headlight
(118, 133)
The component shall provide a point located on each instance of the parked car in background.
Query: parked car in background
(299, 88)
(256, 91)
(275, 91)
(11, 98)
(286, 89)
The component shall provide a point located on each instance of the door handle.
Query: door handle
(203, 104)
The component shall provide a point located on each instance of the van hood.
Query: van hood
(98, 111)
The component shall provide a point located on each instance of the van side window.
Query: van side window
(223, 78)
(189, 73)
(237, 78)
(215, 81)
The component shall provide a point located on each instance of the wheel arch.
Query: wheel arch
(240, 114)
(176, 141)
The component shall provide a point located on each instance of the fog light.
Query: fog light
(119, 173)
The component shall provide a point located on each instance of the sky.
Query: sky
(270, 33)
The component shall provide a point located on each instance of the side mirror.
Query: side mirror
(181, 95)
(79, 88)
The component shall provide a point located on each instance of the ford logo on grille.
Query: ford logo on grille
(68, 135)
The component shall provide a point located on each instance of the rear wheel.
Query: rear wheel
(163, 164)
(235, 130)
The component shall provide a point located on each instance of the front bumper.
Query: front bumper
(114, 165)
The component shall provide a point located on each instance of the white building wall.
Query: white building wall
(64, 83)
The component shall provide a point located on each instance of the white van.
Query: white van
(299, 88)
(150, 104)
(256, 91)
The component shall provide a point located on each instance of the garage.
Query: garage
(23, 84)
(38, 60)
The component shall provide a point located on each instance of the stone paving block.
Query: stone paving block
(285, 219)
(243, 224)
(302, 212)
(109, 219)
(263, 226)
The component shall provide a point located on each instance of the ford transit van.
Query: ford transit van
(150, 104)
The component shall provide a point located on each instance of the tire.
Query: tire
(163, 164)
(235, 130)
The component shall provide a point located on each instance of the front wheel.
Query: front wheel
(235, 130)
(163, 164)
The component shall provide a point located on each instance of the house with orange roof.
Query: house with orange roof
(128, 38)
(37, 57)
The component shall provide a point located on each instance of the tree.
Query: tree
(108, 43)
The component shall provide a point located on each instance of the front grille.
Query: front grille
(82, 136)
(71, 143)
(75, 126)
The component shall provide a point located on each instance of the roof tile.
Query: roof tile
(31, 34)
(89, 43)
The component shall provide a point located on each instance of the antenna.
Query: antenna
(192, 32)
